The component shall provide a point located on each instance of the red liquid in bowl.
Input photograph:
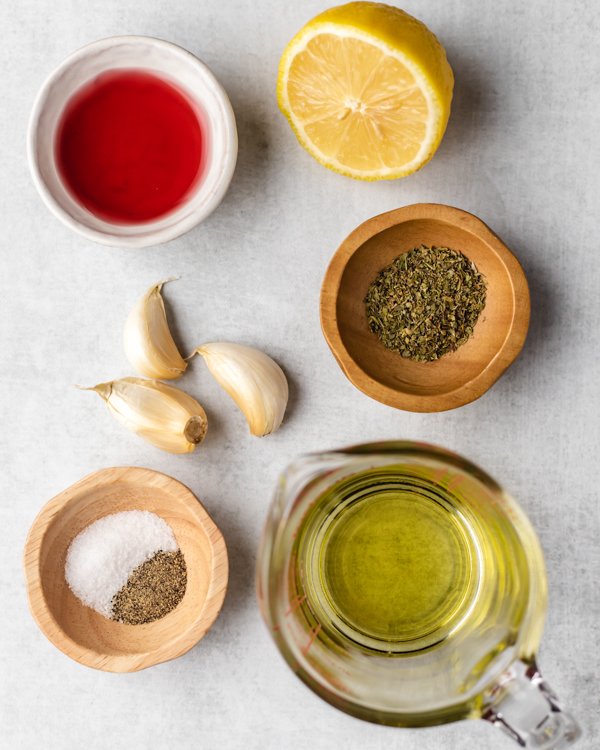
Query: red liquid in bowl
(130, 146)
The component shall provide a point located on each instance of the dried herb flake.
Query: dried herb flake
(426, 303)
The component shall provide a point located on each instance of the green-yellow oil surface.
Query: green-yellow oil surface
(396, 566)
(411, 580)
(397, 561)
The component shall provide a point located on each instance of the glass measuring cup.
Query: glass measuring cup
(472, 652)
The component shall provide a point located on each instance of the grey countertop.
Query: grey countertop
(521, 152)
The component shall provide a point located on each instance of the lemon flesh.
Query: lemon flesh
(367, 90)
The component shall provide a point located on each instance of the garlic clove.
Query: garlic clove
(253, 380)
(161, 414)
(148, 342)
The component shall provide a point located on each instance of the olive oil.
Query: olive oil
(396, 567)
(401, 583)
(396, 561)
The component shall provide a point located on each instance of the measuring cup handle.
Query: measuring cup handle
(523, 705)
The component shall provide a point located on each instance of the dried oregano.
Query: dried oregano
(426, 303)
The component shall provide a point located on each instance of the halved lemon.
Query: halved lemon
(367, 90)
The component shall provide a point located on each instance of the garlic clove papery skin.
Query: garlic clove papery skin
(148, 343)
(161, 414)
(254, 381)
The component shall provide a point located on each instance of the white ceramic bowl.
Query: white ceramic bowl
(170, 62)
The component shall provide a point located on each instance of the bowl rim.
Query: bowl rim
(158, 236)
(499, 362)
(178, 644)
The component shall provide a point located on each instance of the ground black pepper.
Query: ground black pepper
(153, 589)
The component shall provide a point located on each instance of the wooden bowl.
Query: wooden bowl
(82, 633)
(458, 377)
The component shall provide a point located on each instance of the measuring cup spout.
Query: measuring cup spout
(524, 706)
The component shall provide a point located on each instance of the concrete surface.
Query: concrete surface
(521, 151)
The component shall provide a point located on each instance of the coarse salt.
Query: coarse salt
(102, 557)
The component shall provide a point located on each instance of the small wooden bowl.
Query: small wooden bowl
(456, 378)
(82, 633)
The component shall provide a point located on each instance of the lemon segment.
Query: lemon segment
(367, 90)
